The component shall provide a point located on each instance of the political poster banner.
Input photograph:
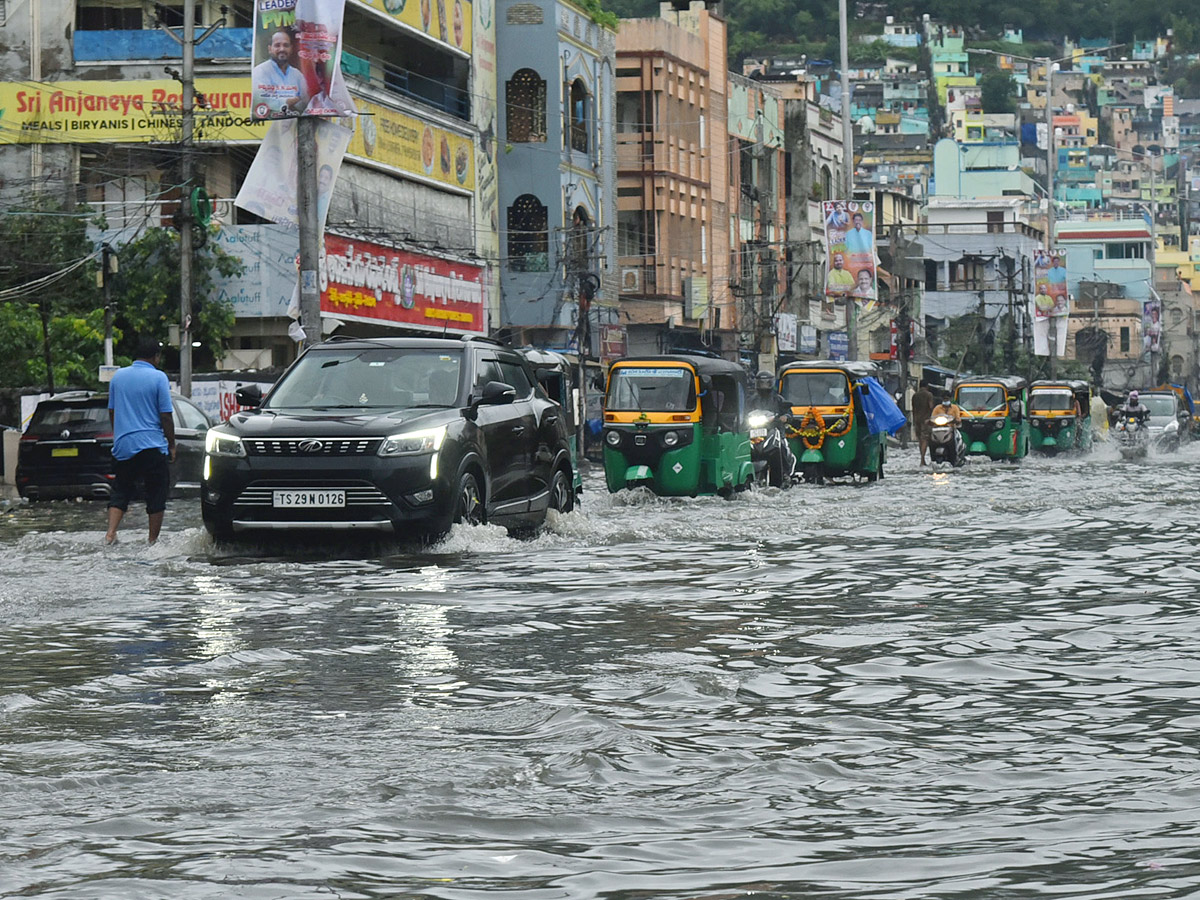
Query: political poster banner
(1152, 325)
(1050, 285)
(270, 188)
(296, 62)
(850, 249)
(1051, 303)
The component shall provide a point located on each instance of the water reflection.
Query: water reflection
(980, 682)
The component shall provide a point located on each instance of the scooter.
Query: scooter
(774, 464)
(1133, 438)
(945, 443)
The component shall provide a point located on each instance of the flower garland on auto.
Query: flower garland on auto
(812, 430)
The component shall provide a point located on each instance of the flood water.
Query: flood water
(974, 684)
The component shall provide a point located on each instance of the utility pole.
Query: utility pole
(1053, 324)
(108, 268)
(847, 159)
(1181, 199)
(186, 287)
(310, 234)
(766, 271)
(187, 41)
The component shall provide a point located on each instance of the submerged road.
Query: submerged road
(982, 683)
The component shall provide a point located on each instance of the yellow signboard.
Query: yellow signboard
(93, 112)
(448, 21)
(410, 145)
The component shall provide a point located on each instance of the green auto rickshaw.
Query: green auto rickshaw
(994, 420)
(677, 425)
(557, 377)
(829, 434)
(1060, 416)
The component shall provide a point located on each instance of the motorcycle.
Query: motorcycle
(1133, 437)
(774, 463)
(945, 443)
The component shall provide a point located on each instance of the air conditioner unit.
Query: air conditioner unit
(631, 279)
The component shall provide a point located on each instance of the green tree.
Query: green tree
(49, 294)
(998, 92)
(147, 295)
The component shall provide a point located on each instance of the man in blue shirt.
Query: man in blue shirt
(139, 407)
(276, 83)
(859, 239)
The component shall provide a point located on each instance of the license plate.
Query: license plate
(758, 432)
(309, 498)
(65, 451)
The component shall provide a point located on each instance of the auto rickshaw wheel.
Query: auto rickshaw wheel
(811, 473)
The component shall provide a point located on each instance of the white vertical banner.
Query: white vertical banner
(270, 188)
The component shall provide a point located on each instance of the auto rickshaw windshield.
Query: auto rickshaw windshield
(981, 398)
(1051, 401)
(816, 388)
(651, 389)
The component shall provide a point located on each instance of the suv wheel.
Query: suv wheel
(468, 507)
(562, 495)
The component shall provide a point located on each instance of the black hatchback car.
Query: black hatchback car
(402, 436)
(66, 451)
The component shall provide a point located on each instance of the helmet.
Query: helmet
(1133, 398)
(764, 380)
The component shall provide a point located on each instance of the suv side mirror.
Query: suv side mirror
(495, 393)
(249, 395)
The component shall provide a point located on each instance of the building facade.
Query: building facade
(102, 124)
(557, 172)
(673, 182)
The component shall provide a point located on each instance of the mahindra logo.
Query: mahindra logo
(311, 446)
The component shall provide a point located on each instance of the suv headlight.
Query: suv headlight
(411, 443)
(221, 443)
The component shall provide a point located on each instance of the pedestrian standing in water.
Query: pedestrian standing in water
(922, 409)
(139, 407)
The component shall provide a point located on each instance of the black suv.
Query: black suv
(66, 451)
(399, 436)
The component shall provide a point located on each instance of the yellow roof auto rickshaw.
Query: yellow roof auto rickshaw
(677, 425)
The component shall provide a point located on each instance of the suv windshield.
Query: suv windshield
(51, 418)
(370, 378)
(652, 388)
(981, 398)
(816, 389)
(1052, 401)
(1161, 406)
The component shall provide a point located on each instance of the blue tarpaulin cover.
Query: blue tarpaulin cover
(880, 409)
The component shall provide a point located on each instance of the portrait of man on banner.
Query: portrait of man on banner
(850, 249)
(295, 71)
(1050, 299)
(1152, 326)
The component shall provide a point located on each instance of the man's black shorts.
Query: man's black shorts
(151, 468)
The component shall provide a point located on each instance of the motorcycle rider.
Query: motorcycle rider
(769, 400)
(947, 407)
(1133, 408)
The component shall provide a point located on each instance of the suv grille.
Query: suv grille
(312, 446)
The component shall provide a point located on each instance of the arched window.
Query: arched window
(826, 183)
(528, 238)
(525, 97)
(579, 116)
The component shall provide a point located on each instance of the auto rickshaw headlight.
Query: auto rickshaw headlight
(671, 438)
(613, 438)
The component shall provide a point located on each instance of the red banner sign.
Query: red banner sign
(374, 283)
